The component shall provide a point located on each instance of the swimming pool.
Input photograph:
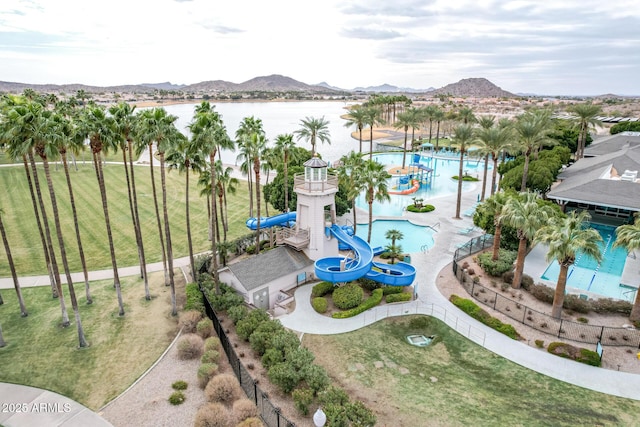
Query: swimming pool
(416, 238)
(587, 275)
(441, 185)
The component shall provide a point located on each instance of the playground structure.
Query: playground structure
(417, 175)
(316, 232)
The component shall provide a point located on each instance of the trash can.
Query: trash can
(407, 259)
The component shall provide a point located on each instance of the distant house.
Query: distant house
(262, 278)
(605, 182)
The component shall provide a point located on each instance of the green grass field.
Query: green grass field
(455, 382)
(42, 354)
(24, 239)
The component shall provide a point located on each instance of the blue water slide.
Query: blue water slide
(283, 220)
(329, 269)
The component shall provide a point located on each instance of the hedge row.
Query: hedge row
(372, 301)
(473, 310)
(401, 297)
(568, 351)
(321, 289)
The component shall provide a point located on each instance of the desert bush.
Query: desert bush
(333, 395)
(348, 296)
(500, 266)
(360, 415)
(321, 289)
(223, 388)
(244, 408)
(190, 346)
(542, 293)
(237, 313)
(302, 398)
(206, 371)
(320, 304)
(189, 320)
(212, 343)
(507, 277)
(261, 336)
(246, 326)
(212, 415)
(210, 356)
(194, 298)
(539, 343)
(179, 385)
(575, 303)
(568, 351)
(526, 282)
(404, 296)
(582, 320)
(473, 310)
(372, 301)
(204, 328)
(177, 398)
(251, 422)
(609, 305)
(316, 378)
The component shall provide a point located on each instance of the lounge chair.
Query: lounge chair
(466, 230)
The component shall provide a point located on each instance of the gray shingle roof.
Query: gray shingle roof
(269, 266)
(611, 144)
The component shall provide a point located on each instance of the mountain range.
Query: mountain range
(472, 87)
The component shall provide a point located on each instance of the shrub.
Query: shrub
(568, 351)
(177, 398)
(423, 209)
(387, 290)
(189, 346)
(237, 313)
(466, 178)
(205, 328)
(473, 310)
(246, 326)
(369, 284)
(526, 282)
(243, 408)
(226, 299)
(261, 336)
(542, 293)
(316, 378)
(210, 356)
(333, 395)
(539, 343)
(272, 357)
(223, 388)
(212, 415)
(321, 289)
(507, 277)
(302, 398)
(179, 385)
(609, 305)
(574, 303)
(582, 320)
(360, 415)
(498, 267)
(284, 375)
(348, 296)
(194, 298)
(212, 343)
(372, 301)
(284, 341)
(189, 320)
(320, 304)
(405, 296)
(251, 422)
(206, 371)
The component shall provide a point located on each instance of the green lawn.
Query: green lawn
(24, 239)
(42, 354)
(455, 382)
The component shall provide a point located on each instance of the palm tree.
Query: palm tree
(98, 128)
(495, 205)
(438, 116)
(532, 129)
(182, 155)
(248, 126)
(491, 142)
(357, 117)
(586, 119)
(373, 178)
(125, 123)
(45, 134)
(628, 237)
(227, 183)
(313, 129)
(463, 136)
(372, 118)
(525, 215)
(566, 237)
(257, 143)
(466, 116)
(284, 145)
(12, 267)
(157, 126)
(394, 235)
(406, 120)
(428, 114)
(351, 165)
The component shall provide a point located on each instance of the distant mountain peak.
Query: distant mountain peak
(474, 87)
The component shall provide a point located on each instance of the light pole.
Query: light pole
(319, 418)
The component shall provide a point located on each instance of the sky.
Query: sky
(551, 47)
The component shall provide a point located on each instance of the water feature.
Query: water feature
(587, 275)
(415, 237)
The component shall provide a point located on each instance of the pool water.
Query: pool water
(586, 274)
(416, 238)
(441, 185)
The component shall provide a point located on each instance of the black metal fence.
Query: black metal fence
(269, 413)
(561, 328)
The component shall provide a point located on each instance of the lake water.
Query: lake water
(278, 118)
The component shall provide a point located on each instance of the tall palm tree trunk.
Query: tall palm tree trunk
(370, 190)
(286, 178)
(522, 252)
(12, 267)
(360, 138)
(82, 341)
(83, 262)
(250, 186)
(213, 223)
(558, 296)
(43, 240)
(192, 264)
(133, 197)
(52, 255)
(105, 208)
(525, 171)
(158, 219)
(484, 177)
(256, 170)
(222, 216)
(459, 197)
(371, 142)
(167, 230)
(494, 174)
(404, 147)
(125, 163)
(496, 239)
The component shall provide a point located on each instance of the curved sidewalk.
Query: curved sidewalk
(24, 406)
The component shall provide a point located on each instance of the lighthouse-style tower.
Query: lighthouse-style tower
(316, 207)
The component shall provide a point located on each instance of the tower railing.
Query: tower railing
(300, 183)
